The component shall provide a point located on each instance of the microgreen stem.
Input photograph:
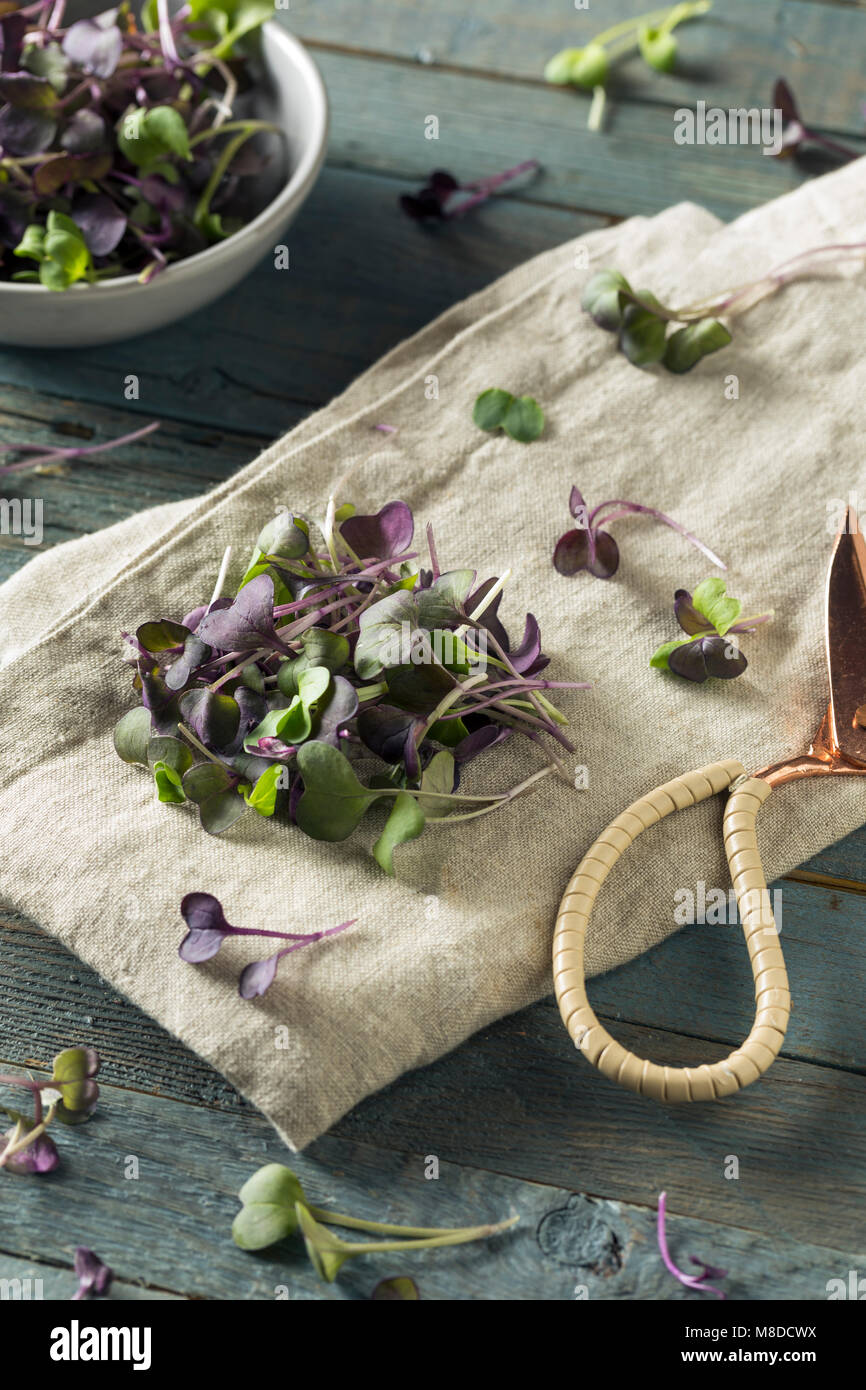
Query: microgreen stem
(191, 738)
(249, 128)
(456, 1237)
(628, 508)
(59, 453)
(355, 1223)
(502, 801)
(221, 577)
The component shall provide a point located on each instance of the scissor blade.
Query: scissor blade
(846, 640)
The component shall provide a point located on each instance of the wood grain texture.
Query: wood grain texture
(362, 278)
(633, 167)
(191, 1162)
(728, 57)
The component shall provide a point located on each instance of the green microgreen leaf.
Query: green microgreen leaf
(263, 797)
(718, 608)
(685, 348)
(132, 735)
(334, 801)
(520, 417)
(146, 135)
(405, 822)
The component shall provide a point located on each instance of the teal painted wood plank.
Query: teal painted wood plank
(697, 984)
(169, 1227)
(516, 1098)
(845, 860)
(730, 57)
(362, 277)
(484, 125)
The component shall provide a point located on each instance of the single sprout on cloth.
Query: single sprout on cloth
(340, 677)
(796, 135)
(273, 1206)
(641, 321)
(438, 200)
(521, 417)
(590, 546)
(119, 148)
(208, 929)
(691, 1281)
(94, 1275)
(709, 616)
(71, 1093)
(651, 34)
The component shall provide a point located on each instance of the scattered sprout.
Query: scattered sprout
(691, 1281)
(521, 417)
(590, 546)
(72, 1094)
(651, 34)
(709, 616)
(439, 200)
(273, 1206)
(94, 1276)
(641, 321)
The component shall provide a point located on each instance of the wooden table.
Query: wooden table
(513, 1118)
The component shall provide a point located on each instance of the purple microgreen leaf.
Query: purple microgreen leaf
(84, 133)
(248, 623)
(94, 1276)
(24, 133)
(40, 1156)
(207, 927)
(391, 734)
(603, 557)
(63, 169)
(571, 554)
(688, 617)
(705, 657)
(527, 654)
(383, 536)
(95, 44)
(478, 741)
(212, 717)
(101, 223)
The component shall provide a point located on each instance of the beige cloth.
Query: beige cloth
(463, 936)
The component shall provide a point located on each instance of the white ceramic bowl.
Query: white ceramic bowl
(295, 100)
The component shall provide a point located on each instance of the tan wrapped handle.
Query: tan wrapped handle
(772, 998)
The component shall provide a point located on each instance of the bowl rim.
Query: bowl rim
(300, 182)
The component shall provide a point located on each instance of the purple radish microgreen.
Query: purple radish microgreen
(691, 1281)
(651, 34)
(61, 454)
(337, 649)
(94, 1275)
(207, 929)
(439, 200)
(71, 1093)
(641, 322)
(153, 168)
(589, 545)
(709, 616)
(796, 135)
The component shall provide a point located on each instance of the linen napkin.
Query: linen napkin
(749, 451)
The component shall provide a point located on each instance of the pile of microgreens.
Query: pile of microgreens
(274, 1206)
(651, 34)
(119, 149)
(339, 659)
(641, 321)
(72, 1094)
(709, 616)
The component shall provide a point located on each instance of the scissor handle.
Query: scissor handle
(772, 998)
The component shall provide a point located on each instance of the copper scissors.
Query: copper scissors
(839, 748)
